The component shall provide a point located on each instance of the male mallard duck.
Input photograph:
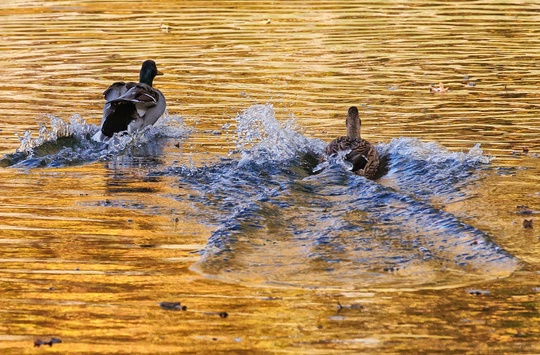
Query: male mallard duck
(131, 106)
(363, 154)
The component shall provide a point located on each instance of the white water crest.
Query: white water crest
(260, 136)
(76, 126)
(69, 142)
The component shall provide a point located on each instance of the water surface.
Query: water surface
(218, 206)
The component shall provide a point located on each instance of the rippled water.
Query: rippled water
(225, 206)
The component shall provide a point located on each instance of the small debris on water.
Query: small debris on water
(438, 89)
(272, 298)
(520, 334)
(521, 150)
(165, 28)
(528, 223)
(40, 342)
(350, 306)
(476, 292)
(172, 306)
(523, 209)
(223, 314)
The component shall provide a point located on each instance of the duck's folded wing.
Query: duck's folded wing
(358, 156)
(364, 158)
(142, 96)
(362, 154)
(357, 150)
(115, 91)
(338, 144)
(137, 93)
(372, 165)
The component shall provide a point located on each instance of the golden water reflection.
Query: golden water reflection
(88, 252)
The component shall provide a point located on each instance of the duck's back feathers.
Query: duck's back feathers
(363, 156)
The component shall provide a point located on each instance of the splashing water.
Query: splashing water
(59, 129)
(69, 143)
(263, 138)
(277, 223)
(429, 171)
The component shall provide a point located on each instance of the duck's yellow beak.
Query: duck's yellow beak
(159, 73)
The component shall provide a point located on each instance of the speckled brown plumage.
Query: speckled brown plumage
(363, 154)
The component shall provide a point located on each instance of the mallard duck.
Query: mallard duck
(131, 106)
(363, 154)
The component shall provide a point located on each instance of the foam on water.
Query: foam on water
(69, 142)
(277, 223)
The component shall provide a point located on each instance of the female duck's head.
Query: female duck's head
(353, 123)
(148, 72)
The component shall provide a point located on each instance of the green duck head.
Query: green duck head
(148, 72)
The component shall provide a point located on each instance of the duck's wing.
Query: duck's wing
(357, 150)
(362, 155)
(134, 92)
(365, 159)
(145, 98)
(115, 90)
(337, 145)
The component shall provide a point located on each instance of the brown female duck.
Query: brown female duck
(363, 155)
